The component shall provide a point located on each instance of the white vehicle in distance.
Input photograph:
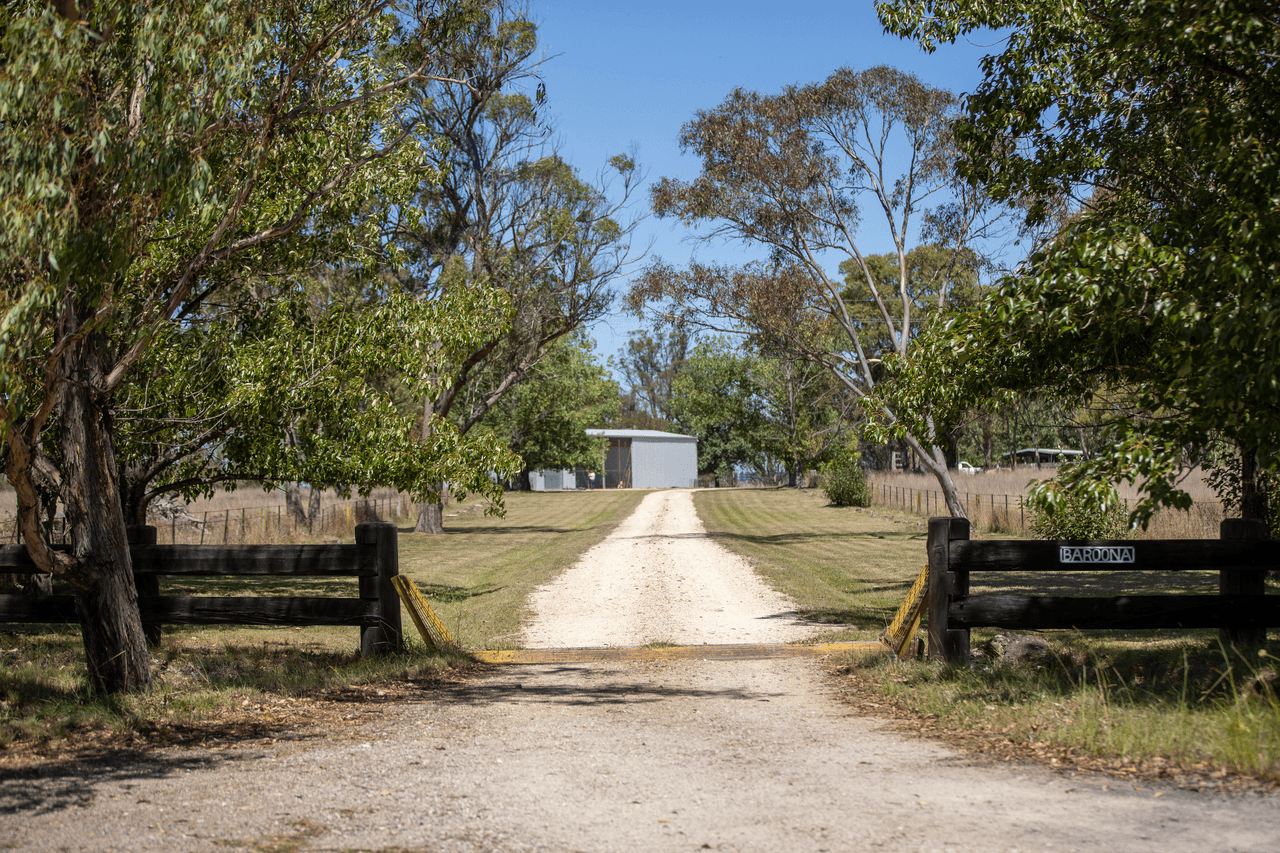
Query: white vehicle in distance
(966, 468)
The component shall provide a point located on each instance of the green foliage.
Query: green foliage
(545, 418)
(160, 162)
(649, 365)
(714, 399)
(1059, 509)
(844, 481)
(495, 206)
(1155, 124)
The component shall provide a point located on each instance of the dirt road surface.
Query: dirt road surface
(660, 756)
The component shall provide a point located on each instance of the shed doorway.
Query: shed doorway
(617, 464)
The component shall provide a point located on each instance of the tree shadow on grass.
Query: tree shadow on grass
(446, 594)
(867, 618)
(497, 530)
(780, 539)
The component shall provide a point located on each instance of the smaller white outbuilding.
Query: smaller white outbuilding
(634, 459)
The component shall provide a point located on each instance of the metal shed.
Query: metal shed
(634, 459)
(649, 459)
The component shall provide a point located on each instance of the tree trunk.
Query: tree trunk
(934, 461)
(430, 518)
(1253, 498)
(951, 449)
(314, 517)
(293, 504)
(106, 600)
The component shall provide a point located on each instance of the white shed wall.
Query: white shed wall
(664, 463)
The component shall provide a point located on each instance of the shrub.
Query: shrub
(1057, 510)
(845, 482)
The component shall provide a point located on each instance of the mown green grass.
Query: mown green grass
(843, 566)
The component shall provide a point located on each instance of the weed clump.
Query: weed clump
(844, 481)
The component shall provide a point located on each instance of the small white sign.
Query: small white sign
(1095, 554)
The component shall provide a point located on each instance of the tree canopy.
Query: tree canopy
(1156, 123)
(507, 212)
(155, 158)
(793, 172)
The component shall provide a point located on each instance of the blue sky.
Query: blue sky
(619, 74)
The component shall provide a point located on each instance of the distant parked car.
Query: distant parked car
(966, 468)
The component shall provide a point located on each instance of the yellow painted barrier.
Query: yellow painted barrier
(764, 651)
(906, 621)
(422, 614)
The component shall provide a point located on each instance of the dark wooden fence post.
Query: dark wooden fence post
(380, 538)
(946, 643)
(148, 585)
(1242, 582)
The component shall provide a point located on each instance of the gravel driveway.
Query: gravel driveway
(660, 756)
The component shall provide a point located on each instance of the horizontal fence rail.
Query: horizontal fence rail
(1241, 611)
(373, 560)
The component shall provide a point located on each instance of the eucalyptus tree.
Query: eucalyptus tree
(806, 413)
(151, 156)
(649, 364)
(796, 173)
(1159, 118)
(767, 411)
(545, 418)
(508, 213)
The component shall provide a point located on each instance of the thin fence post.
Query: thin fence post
(1242, 582)
(379, 564)
(147, 585)
(226, 525)
(946, 643)
(204, 526)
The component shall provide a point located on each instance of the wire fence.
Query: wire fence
(257, 525)
(1002, 513)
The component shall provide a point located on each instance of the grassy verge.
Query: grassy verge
(1137, 703)
(218, 683)
(1174, 707)
(846, 567)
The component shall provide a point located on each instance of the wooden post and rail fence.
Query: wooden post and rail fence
(373, 560)
(1241, 610)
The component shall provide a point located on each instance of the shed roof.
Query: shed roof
(638, 433)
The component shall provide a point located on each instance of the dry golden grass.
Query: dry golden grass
(994, 501)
